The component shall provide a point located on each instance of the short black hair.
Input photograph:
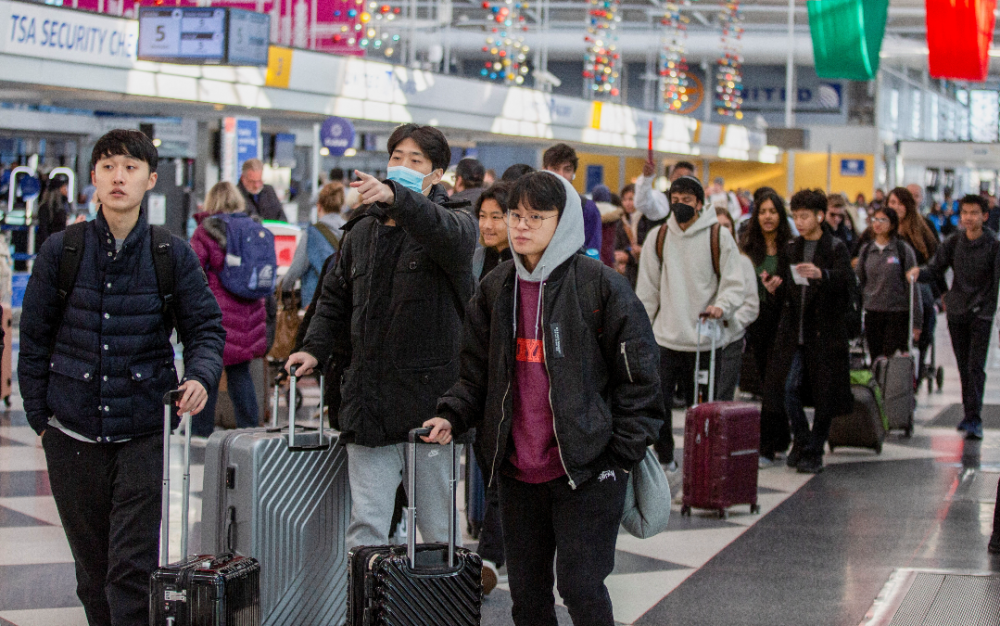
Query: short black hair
(559, 154)
(336, 174)
(431, 141)
(979, 201)
(688, 184)
(541, 191)
(686, 165)
(471, 171)
(498, 192)
(125, 142)
(811, 199)
(629, 188)
(516, 171)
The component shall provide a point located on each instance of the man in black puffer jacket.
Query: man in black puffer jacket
(401, 285)
(559, 376)
(93, 371)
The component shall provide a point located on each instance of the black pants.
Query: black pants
(970, 339)
(582, 526)
(108, 496)
(886, 332)
(491, 533)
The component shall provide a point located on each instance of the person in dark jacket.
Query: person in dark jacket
(973, 255)
(93, 371)
(469, 174)
(52, 211)
(561, 159)
(811, 352)
(401, 285)
(559, 377)
(627, 242)
(244, 320)
(261, 200)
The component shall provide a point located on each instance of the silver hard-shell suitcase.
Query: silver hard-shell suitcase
(281, 496)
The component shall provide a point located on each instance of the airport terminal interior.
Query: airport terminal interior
(848, 97)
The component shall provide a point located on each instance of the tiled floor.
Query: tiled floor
(818, 554)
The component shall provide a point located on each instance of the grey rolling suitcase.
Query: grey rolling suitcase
(896, 376)
(281, 495)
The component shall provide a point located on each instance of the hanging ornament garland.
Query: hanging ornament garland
(602, 59)
(505, 43)
(368, 29)
(729, 67)
(673, 66)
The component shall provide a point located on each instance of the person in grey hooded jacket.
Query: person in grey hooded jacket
(559, 377)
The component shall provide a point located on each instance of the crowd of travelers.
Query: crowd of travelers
(550, 330)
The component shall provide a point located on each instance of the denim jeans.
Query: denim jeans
(108, 497)
(244, 398)
(793, 399)
(581, 525)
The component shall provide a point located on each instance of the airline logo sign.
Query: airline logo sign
(36, 30)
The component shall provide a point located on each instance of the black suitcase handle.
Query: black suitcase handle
(411, 510)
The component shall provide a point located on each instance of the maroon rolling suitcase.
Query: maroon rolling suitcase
(721, 448)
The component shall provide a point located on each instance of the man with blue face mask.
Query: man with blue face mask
(392, 309)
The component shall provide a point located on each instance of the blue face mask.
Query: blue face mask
(409, 178)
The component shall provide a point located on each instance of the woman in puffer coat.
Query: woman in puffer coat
(244, 320)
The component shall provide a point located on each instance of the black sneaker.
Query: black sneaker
(794, 457)
(810, 464)
(964, 425)
(994, 545)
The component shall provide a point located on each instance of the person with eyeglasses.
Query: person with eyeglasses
(559, 378)
(882, 266)
(393, 307)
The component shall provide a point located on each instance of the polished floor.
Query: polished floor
(820, 553)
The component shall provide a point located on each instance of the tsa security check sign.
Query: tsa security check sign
(36, 30)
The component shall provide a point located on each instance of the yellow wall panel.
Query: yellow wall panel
(749, 175)
(811, 172)
(610, 163)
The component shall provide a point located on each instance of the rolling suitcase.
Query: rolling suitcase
(281, 496)
(896, 376)
(434, 583)
(198, 590)
(721, 447)
(865, 426)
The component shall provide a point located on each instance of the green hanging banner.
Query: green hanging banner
(847, 37)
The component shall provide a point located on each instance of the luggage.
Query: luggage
(866, 425)
(896, 376)
(198, 590)
(721, 447)
(281, 495)
(434, 583)
(475, 494)
(7, 360)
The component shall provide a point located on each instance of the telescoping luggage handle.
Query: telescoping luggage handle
(913, 288)
(411, 511)
(322, 443)
(706, 325)
(168, 401)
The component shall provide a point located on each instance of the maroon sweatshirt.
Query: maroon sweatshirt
(536, 453)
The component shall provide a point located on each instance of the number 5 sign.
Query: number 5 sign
(279, 67)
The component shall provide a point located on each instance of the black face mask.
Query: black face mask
(682, 212)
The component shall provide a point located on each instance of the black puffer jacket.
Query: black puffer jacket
(402, 291)
(113, 360)
(601, 357)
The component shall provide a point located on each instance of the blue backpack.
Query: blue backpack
(250, 270)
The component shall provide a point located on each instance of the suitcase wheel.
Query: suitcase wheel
(755, 509)
(938, 378)
(907, 432)
(878, 448)
(723, 514)
(832, 448)
(685, 511)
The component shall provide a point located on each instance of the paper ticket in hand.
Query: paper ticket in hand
(797, 278)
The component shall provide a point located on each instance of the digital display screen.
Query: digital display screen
(203, 35)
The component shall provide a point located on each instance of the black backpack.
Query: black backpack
(161, 243)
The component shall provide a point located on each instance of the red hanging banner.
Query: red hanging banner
(965, 56)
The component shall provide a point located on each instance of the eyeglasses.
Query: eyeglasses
(880, 220)
(534, 221)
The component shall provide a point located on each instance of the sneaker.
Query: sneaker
(964, 425)
(794, 457)
(671, 466)
(974, 431)
(994, 545)
(764, 462)
(810, 464)
(489, 577)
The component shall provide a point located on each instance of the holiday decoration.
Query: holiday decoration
(372, 32)
(728, 69)
(958, 38)
(505, 43)
(673, 67)
(847, 36)
(602, 59)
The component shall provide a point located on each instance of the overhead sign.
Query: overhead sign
(279, 67)
(852, 167)
(240, 143)
(336, 135)
(208, 35)
(36, 30)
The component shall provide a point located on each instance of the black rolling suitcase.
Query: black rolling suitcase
(435, 583)
(865, 426)
(198, 590)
